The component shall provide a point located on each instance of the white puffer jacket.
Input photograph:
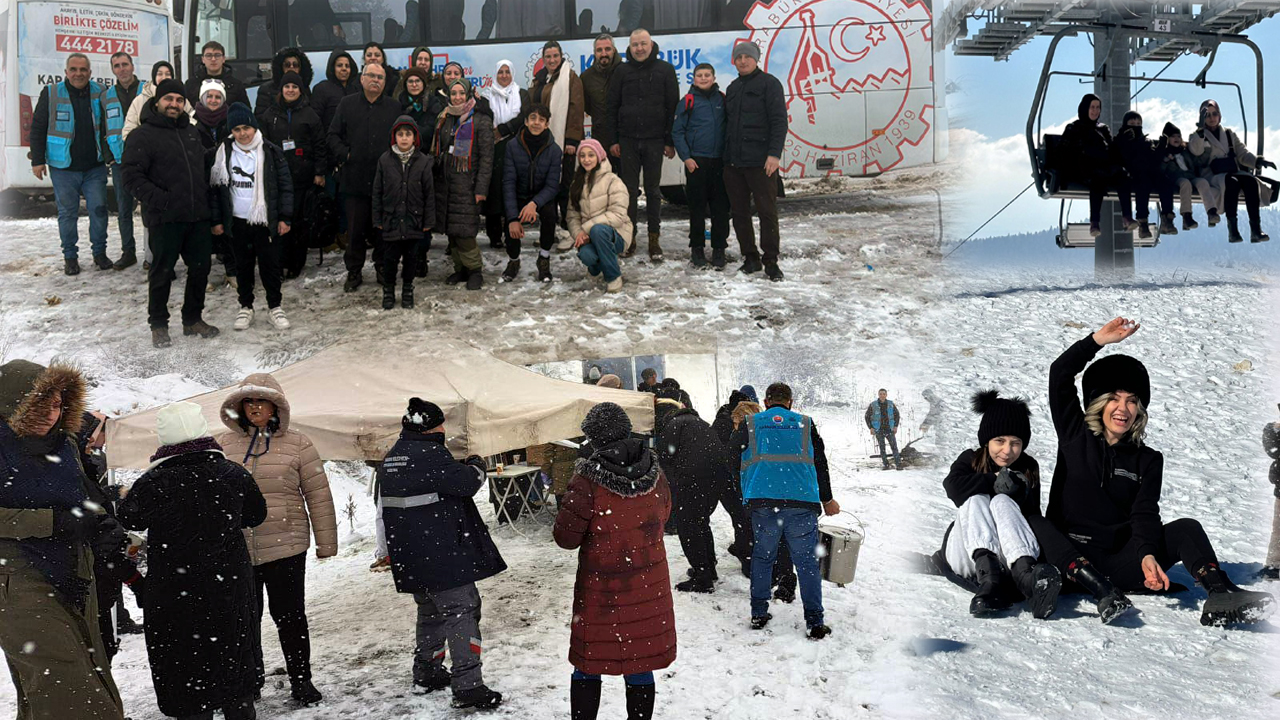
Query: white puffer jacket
(606, 201)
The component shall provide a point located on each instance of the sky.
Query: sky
(990, 125)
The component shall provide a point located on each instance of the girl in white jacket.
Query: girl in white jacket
(598, 219)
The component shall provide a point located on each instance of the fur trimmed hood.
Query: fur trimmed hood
(257, 385)
(626, 468)
(25, 392)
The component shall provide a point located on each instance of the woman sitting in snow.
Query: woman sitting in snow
(997, 488)
(1105, 496)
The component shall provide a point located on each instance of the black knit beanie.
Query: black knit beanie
(1170, 130)
(422, 416)
(1001, 417)
(605, 423)
(1117, 372)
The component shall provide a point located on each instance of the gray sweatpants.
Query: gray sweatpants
(449, 617)
(1273, 552)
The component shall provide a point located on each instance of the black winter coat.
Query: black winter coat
(1101, 494)
(358, 137)
(268, 91)
(1088, 150)
(642, 100)
(443, 543)
(326, 95)
(692, 458)
(963, 482)
(278, 191)
(1141, 157)
(756, 109)
(299, 125)
(529, 178)
(457, 214)
(404, 202)
(236, 92)
(165, 168)
(200, 608)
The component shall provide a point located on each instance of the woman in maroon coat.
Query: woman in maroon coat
(623, 619)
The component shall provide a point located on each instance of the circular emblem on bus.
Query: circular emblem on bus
(858, 78)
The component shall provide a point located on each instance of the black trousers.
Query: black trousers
(706, 193)
(1144, 188)
(567, 168)
(643, 156)
(548, 218)
(109, 592)
(420, 249)
(1099, 184)
(743, 535)
(395, 253)
(361, 234)
(693, 508)
(1237, 186)
(284, 582)
(745, 186)
(254, 247)
(1182, 541)
(193, 242)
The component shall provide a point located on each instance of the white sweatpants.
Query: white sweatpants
(989, 523)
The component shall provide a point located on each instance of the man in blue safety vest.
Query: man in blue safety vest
(115, 108)
(785, 483)
(882, 420)
(67, 142)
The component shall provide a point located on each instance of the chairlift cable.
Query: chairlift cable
(988, 222)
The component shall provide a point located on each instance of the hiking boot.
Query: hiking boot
(1144, 230)
(817, 632)
(437, 680)
(544, 269)
(388, 297)
(750, 264)
(990, 574)
(1233, 230)
(482, 698)
(1166, 225)
(1214, 217)
(1112, 604)
(201, 328)
(1228, 604)
(513, 269)
(1039, 583)
(305, 692)
(475, 280)
(406, 296)
(717, 258)
(614, 285)
(278, 319)
(1255, 232)
(160, 338)
(244, 319)
(773, 272)
(457, 276)
(71, 266)
(126, 261)
(102, 262)
(758, 622)
(1189, 222)
(354, 280)
(655, 248)
(698, 257)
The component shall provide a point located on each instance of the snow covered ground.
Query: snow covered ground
(1211, 355)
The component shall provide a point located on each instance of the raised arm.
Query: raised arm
(1064, 401)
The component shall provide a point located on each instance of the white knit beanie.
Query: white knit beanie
(180, 422)
(211, 85)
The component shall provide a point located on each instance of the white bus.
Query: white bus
(864, 86)
(36, 36)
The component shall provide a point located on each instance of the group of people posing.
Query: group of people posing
(1212, 163)
(402, 156)
(1102, 531)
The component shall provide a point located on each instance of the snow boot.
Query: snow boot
(1227, 603)
(457, 276)
(1233, 230)
(160, 338)
(71, 266)
(786, 590)
(640, 702)
(750, 264)
(1112, 604)
(1214, 217)
(1039, 583)
(584, 699)
(774, 272)
(701, 582)
(1144, 229)
(817, 632)
(990, 573)
(306, 693)
(1256, 235)
(1094, 230)
(544, 269)
(759, 621)
(406, 295)
(1166, 225)
(437, 680)
(201, 328)
(354, 280)
(126, 260)
(388, 297)
(717, 258)
(698, 257)
(481, 698)
(513, 269)
(102, 262)
(655, 248)
(1127, 223)
(1189, 222)
(475, 280)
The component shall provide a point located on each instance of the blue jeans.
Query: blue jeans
(68, 187)
(644, 678)
(800, 528)
(893, 445)
(600, 254)
(124, 211)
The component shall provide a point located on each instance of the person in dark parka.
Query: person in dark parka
(340, 81)
(1141, 158)
(294, 126)
(193, 502)
(530, 186)
(1092, 159)
(288, 60)
(439, 548)
(463, 148)
(404, 207)
(623, 615)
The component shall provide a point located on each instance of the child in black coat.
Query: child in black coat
(403, 207)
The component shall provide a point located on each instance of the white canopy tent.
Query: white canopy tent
(348, 399)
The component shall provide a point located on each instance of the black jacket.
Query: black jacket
(358, 137)
(267, 91)
(1102, 495)
(691, 456)
(756, 109)
(530, 178)
(326, 95)
(84, 149)
(236, 92)
(199, 604)
(404, 203)
(1141, 156)
(299, 126)
(723, 422)
(738, 443)
(642, 100)
(441, 542)
(963, 482)
(278, 191)
(1088, 151)
(165, 168)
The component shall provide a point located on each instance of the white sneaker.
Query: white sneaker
(615, 286)
(278, 319)
(244, 319)
(231, 280)
(566, 240)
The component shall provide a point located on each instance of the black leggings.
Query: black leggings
(1237, 186)
(285, 584)
(1182, 541)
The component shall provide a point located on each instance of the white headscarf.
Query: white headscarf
(505, 101)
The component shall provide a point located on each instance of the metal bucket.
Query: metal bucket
(840, 547)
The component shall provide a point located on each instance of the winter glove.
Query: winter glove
(109, 538)
(1011, 483)
(78, 524)
(1266, 164)
(477, 462)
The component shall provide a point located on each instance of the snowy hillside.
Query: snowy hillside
(1206, 417)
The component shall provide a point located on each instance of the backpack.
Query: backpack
(321, 212)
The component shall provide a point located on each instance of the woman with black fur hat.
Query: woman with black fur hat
(1105, 496)
(996, 488)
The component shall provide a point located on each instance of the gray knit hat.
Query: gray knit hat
(606, 423)
(748, 48)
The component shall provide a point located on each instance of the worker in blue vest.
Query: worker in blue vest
(785, 484)
(115, 108)
(67, 142)
(882, 420)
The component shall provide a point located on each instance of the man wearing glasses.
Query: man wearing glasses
(214, 59)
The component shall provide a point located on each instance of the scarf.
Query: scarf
(204, 444)
(560, 101)
(504, 100)
(212, 118)
(404, 156)
(220, 175)
(461, 135)
(534, 143)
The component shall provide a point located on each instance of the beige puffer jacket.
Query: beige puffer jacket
(606, 201)
(289, 473)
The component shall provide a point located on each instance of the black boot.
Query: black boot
(718, 259)
(1039, 583)
(1144, 229)
(990, 573)
(1112, 603)
(584, 699)
(388, 296)
(305, 692)
(786, 590)
(544, 269)
(698, 257)
(406, 295)
(1228, 604)
(640, 702)
(430, 682)
(1256, 234)
(1233, 230)
(457, 276)
(699, 582)
(513, 269)
(481, 697)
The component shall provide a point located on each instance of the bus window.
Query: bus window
(240, 25)
(454, 21)
(352, 23)
(313, 24)
(620, 17)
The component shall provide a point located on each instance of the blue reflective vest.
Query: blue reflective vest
(778, 461)
(62, 124)
(115, 114)
(891, 411)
